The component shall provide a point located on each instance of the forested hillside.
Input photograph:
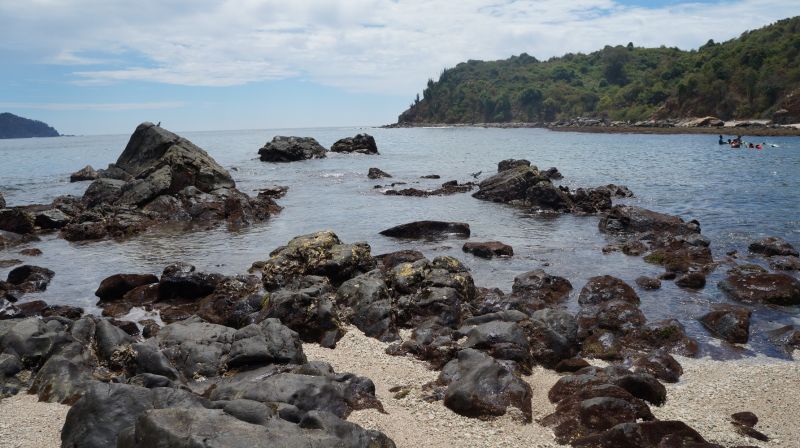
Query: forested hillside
(13, 126)
(746, 77)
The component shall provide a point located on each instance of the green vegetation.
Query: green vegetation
(741, 78)
(12, 126)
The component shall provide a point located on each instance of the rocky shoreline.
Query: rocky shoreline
(707, 125)
(324, 343)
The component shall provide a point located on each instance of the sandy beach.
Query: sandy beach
(708, 393)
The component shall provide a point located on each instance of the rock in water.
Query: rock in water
(489, 249)
(772, 245)
(361, 143)
(761, 287)
(290, 149)
(377, 173)
(729, 323)
(2, 201)
(428, 229)
(85, 173)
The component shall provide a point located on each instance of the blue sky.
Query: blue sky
(101, 66)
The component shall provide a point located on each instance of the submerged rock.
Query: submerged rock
(630, 219)
(729, 323)
(760, 287)
(489, 249)
(428, 229)
(377, 173)
(361, 144)
(290, 149)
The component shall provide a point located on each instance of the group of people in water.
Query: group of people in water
(737, 143)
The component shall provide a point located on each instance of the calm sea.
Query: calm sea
(737, 195)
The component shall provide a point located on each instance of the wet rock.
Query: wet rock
(361, 144)
(85, 173)
(16, 220)
(509, 185)
(2, 201)
(428, 229)
(8, 263)
(273, 192)
(103, 191)
(320, 254)
(538, 285)
(392, 259)
(117, 285)
(11, 239)
(51, 219)
(606, 288)
(775, 289)
(307, 307)
(660, 364)
(430, 176)
(787, 337)
(377, 173)
(106, 410)
(784, 263)
(479, 386)
(489, 249)
(177, 283)
(691, 280)
(184, 428)
(729, 323)
(447, 188)
(668, 334)
(648, 283)
(28, 278)
(289, 149)
(618, 316)
(630, 219)
(773, 245)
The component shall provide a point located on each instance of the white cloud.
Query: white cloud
(94, 106)
(363, 45)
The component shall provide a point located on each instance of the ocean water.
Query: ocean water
(737, 195)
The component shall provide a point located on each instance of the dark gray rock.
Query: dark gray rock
(366, 302)
(501, 340)
(479, 386)
(691, 280)
(85, 173)
(428, 229)
(117, 285)
(538, 285)
(265, 343)
(631, 219)
(488, 249)
(377, 173)
(196, 348)
(361, 144)
(16, 220)
(606, 288)
(290, 149)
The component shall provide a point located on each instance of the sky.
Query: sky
(103, 66)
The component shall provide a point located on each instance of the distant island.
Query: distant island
(755, 76)
(13, 126)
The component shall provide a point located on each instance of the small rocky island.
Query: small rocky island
(14, 126)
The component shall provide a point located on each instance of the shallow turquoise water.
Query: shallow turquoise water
(737, 195)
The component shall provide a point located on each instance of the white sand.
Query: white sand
(26, 423)
(707, 394)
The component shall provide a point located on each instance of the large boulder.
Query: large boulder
(361, 143)
(117, 285)
(762, 287)
(480, 386)
(488, 249)
(606, 288)
(510, 184)
(16, 220)
(537, 285)
(163, 159)
(428, 229)
(320, 254)
(290, 149)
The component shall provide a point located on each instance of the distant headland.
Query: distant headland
(13, 126)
